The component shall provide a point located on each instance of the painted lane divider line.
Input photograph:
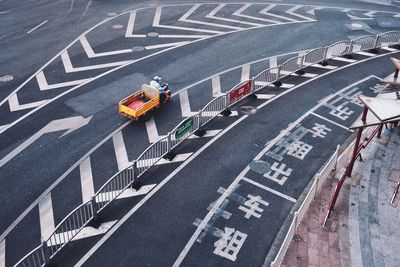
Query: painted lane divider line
(43, 85)
(266, 188)
(332, 122)
(3, 253)
(30, 31)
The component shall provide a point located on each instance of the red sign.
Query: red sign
(238, 93)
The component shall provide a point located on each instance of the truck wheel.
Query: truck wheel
(146, 116)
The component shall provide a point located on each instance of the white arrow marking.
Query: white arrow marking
(120, 151)
(156, 23)
(69, 68)
(84, 233)
(131, 24)
(152, 132)
(212, 15)
(91, 54)
(245, 73)
(266, 10)
(43, 85)
(85, 169)
(216, 86)
(3, 253)
(13, 102)
(46, 217)
(184, 18)
(69, 124)
(246, 6)
(293, 9)
(185, 105)
(150, 47)
(130, 192)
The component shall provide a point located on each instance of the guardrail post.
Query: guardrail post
(295, 219)
(375, 49)
(278, 83)
(226, 112)
(200, 132)
(349, 55)
(323, 62)
(301, 71)
(336, 156)
(46, 252)
(169, 154)
(135, 183)
(95, 221)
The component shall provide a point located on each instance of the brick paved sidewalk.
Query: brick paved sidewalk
(364, 229)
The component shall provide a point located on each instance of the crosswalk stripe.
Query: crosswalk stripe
(266, 10)
(293, 9)
(152, 131)
(46, 217)
(130, 27)
(185, 17)
(347, 60)
(120, 150)
(245, 73)
(85, 169)
(389, 49)
(43, 85)
(3, 253)
(246, 6)
(15, 105)
(69, 68)
(221, 6)
(265, 96)
(327, 67)
(84, 233)
(365, 53)
(129, 192)
(185, 105)
(216, 86)
(91, 54)
(157, 18)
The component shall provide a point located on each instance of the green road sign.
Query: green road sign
(184, 127)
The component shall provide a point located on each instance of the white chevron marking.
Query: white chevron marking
(185, 105)
(120, 151)
(216, 86)
(46, 217)
(3, 253)
(91, 54)
(293, 9)
(312, 10)
(266, 10)
(69, 68)
(3, 126)
(152, 132)
(184, 18)
(156, 23)
(87, 187)
(15, 106)
(213, 13)
(246, 6)
(370, 14)
(43, 85)
(198, 36)
(150, 47)
(130, 26)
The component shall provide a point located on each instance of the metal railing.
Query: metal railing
(156, 151)
(316, 186)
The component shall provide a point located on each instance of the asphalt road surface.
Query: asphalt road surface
(61, 137)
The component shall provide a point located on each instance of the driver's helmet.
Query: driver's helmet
(157, 78)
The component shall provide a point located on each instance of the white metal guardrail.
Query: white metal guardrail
(73, 223)
(316, 186)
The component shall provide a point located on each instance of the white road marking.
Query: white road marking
(307, 74)
(85, 170)
(156, 23)
(265, 96)
(389, 49)
(245, 73)
(5, 12)
(14, 104)
(184, 18)
(43, 85)
(120, 151)
(347, 60)
(46, 217)
(3, 126)
(209, 133)
(284, 85)
(3, 253)
(37, 26)
(177, 158)
(131, 25)
(177, 36)
(216, 86)
(152, 131)
(130, 192)
(365, 53)
(332, 122)
(266, 188)
(84, 233)
(246, 6)
(91, 54)
(70, 124)
(273, 62)
(312, 10)
(213, 13)
(370, 14)
(266, 10)
(293, 9)
(327, 67)
(151, 47)
(69, 68)
(185, 105)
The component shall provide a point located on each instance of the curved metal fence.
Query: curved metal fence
(74, 222)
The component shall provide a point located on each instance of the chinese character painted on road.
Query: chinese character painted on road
(299, 149)
(319, 130)
(229, 244)
(342, 112)
(252, 206)
(276, 171)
